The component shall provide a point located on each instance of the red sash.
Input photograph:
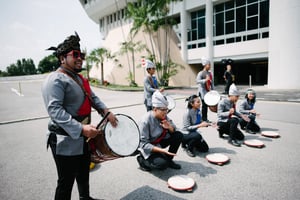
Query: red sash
(208, 83)
(163, 134)
(85, 108)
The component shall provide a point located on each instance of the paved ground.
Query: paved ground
(27, 170)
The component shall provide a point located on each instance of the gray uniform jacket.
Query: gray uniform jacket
(63, 97)
(189, 121)
(200, 80)
(245, 107)
(150, 130)
(149, 89)
(223, 110)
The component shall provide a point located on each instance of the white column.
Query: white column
(284, 45)
(209, 32)
(183, 31)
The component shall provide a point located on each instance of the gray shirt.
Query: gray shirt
(149, 89)
(201, 81)
(189, 121)
(223, 110)
(151, 130)
(63, 97)
(245, 107)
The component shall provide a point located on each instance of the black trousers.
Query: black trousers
(194, 139)
(204, 110)
(251, 125)
(161, 161)
(69, 169)
(230, 128)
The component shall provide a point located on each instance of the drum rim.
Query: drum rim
(139, 133)
(171, 185)
(264, 133)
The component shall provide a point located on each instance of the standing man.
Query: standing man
(228, 77)
(158, 132)
(205, 83)
(150, 84)
(68, 99)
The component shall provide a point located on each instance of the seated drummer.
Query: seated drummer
(158, 132)
(247, 108)
(228, 117)
(192, 138)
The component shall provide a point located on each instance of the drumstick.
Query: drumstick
(97, 127)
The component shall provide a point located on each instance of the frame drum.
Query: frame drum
(212, 99)
(217, 158)
(271, 134)
(254, 143)
(181, 183)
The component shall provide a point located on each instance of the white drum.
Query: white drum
(171, 103)
(217, 158)
(123, 139)
(212, 99)
(181, 183)
(271, 134)
(254, 143)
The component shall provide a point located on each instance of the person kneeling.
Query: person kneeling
(158, 132)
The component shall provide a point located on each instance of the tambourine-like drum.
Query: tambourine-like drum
(181, 183)
(171, 103)
(217, 158)
(122, 140)
(212, 99)
(271, 134)
(254, 143)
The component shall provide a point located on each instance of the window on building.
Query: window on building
(197, 31)
(238, 17)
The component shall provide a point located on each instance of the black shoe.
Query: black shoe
(190, 153)
(184, 146)
(221, 135)
(142, 164)
(249, 131)
(234, 142)
(173, 165)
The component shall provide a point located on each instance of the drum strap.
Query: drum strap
(82, 88)
(233, 106)
(152, 82)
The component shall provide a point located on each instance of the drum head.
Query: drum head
(212, 98)
(217, 158)
(254, 143)
(271, 134)
(171, 103)
(124, 139)
(181, 182)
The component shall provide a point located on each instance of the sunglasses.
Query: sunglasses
(76, 54)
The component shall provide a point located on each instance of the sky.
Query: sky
(28, 27)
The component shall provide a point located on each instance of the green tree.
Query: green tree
(130, 48)
(151, 16)
(48, 64)
(98, 56)
(22, 67)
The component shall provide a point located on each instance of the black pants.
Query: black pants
(161, 161)
(230, 128)
(194, 139)
(69, 169)
(227, 86)
(204, 110)
(251, 125)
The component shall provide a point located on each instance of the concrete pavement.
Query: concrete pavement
(27, 169)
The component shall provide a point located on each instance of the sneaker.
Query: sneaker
(142, 164)
(234, 142)
(173, 165)
(249, 131)
(190, 153)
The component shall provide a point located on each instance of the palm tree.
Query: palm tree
(132, 47)
(98, 56)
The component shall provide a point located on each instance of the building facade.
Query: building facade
(258, 35)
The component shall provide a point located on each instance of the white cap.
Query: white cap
(159, 100)
(148, 64)
(233, 91)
